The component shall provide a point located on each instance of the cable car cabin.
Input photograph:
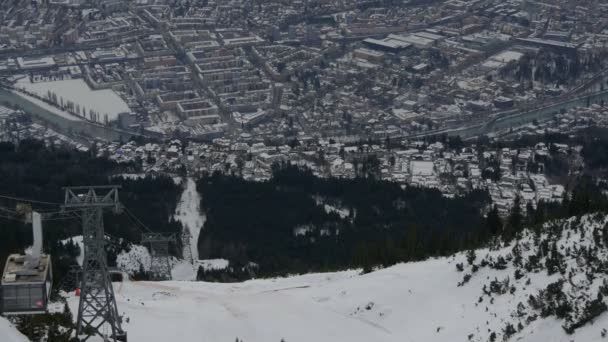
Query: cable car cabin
(26, 285)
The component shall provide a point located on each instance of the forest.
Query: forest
(33, 171)
(292, 223)
(297, 223)
(284, 227)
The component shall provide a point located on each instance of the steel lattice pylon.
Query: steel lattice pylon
(97, 308)
(160, 263)
(187, 252)
(72, 278)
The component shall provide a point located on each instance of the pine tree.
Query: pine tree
(514, 221)
(539, 213)
(471, 256)
(493, 222)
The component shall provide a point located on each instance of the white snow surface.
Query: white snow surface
(342, 211)
(189, 214)
(183, 270)
(418, 301)
(407, 302)
(47, 106)
(8, 333)
(132, 261)
(213, 264)
(104, 101)
(131, 176)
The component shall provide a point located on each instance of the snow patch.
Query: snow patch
(213, 264)
(184, 271)
(343, 212)
(135, 260)
(418, 301)
(130, 176)
(8, 333)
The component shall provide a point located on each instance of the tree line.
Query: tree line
(283, 224)
(31, 170)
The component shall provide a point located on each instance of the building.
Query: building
(369, 55)
(198, 108)
(388, 45)
(31, 63)
(562, 47)
(70, 36)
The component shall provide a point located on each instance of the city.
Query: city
(305, 150)
(260, 82)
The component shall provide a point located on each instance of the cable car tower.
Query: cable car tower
(186, 250)
(160, 265)
(97, 309)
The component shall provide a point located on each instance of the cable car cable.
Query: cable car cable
(137, 220)
(28, 200)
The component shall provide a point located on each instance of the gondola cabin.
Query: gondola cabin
(26, 281)
(25, 289)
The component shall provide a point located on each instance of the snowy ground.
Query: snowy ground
(189, 214)
(105, 102)
(422, 302)
(343, 212)
(410, 302)
(419, 302)
(137, 259)
(213, 264)
(48, 107)
(8, 333)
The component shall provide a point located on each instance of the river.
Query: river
(519, 119)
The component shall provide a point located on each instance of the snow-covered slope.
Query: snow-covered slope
(8, 333)
(426, 301)
(135, 260)
(189, 214)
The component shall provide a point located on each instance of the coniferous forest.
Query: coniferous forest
(296, 222)
(291, 223)
(33, 171)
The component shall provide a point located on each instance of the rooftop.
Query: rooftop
(16, 270)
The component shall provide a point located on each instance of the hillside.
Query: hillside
(296, 223)
(8, 333)
(535, 289)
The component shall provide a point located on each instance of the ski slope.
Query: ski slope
(189, 214)
(419, 302)
(426, 301)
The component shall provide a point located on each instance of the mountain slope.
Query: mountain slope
(425, 301)
(8, 333)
